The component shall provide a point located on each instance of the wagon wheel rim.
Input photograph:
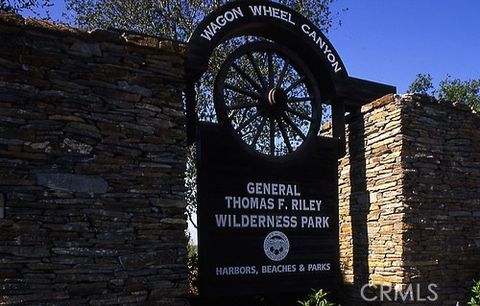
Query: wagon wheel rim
(268, 97)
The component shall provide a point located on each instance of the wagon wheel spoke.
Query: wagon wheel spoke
(301, 99)
(247, 122)
(282, 73)
(246, 92)
(245, 76)
(283, 131)
(272, 136)
(257, 70)
(299, 114)
(295, 84)
(259, 131)
(294, 126)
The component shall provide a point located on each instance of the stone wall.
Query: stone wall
(442, 190)
(410, 200)
(92, 159)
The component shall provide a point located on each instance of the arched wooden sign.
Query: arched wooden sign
(267, 181)
(270, 20)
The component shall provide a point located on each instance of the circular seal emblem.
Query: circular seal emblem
(276, 246)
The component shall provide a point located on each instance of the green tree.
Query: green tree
(20, 6)
(456, 90)
(453, 90)
(192, 264)
(173, 19)
(176, 19)
(422, 85)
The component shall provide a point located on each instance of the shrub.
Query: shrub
(192, 264)
(475, 300)
(317, 298)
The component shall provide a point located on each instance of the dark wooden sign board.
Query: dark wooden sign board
(268, 225)
(231, 186)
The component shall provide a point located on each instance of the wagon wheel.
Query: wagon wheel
(269, 98)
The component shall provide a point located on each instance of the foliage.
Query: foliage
(475, 300)
(191, 185)
(454, 90)
(422, 85)
(317, 298)
(192, 264)
(174, 19)
(467, 92)
(19, 6)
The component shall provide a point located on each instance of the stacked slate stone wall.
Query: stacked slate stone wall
(442, 189)
(92, 161)
(410, 201)
(371, 197)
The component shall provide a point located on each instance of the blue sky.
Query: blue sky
(390, 41)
